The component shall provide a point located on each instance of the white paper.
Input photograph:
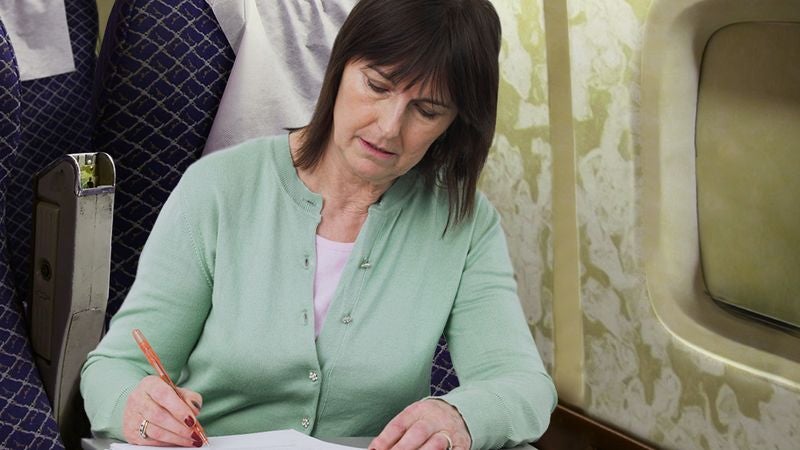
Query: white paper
(268, 440)
(39, 35)
(282, 48)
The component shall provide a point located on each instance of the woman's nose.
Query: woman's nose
(391, 116)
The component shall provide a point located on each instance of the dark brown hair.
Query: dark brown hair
(451, 45)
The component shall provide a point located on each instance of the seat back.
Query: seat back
(162, 71)
(443, 376)
(26, 418)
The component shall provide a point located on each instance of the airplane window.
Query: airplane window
(748, 169)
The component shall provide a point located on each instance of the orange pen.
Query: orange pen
(154, 361)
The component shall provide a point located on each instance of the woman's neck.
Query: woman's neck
(345, 199)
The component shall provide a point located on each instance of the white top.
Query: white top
(282, 48)
(39, 34)
(331, 259)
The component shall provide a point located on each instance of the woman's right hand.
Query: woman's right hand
(170, 420)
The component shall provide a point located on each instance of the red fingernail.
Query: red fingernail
(197, 443)
(196, 437)
(189, 421)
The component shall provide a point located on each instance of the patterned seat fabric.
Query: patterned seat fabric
(26, 418)
(163, 69)
(443, 375)
(161, 74)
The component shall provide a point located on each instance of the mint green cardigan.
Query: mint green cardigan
(223, 293)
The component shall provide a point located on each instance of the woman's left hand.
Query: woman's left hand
(428, 424)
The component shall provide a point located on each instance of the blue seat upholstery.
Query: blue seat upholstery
(26, 418)
(162, 72)
(443, 375)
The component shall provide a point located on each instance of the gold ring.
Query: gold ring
(449, 441)
(143, 428)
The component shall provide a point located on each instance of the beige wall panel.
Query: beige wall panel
(103, 10)
(639, 376)
(517, 177)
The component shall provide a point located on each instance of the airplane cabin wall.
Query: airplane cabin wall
(518, 174)
(625, 367)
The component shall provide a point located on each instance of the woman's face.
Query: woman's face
(381, 130)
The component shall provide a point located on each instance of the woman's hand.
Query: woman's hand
(428, 424)
(170, 420)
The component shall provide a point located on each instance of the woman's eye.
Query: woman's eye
(376, 87)
(427, 113)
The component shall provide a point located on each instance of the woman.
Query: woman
(303, 281)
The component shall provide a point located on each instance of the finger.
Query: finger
(144, 402)
(393, 430)
(158, 436)
(415, 436)
(169, 400)
(437, 441)
(132, 420)
(193, 399)
(453, 426)
(165, 428)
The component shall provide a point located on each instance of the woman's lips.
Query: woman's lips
(374, 149)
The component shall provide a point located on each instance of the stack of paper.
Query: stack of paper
(268, 440)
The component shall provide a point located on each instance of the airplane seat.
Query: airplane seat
(443, 376)
(26, 417)
(162, 71)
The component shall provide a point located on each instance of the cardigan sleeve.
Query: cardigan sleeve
(506, 396)
(169, 301)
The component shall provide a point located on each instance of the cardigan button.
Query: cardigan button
(347, 319)
(365, 264)
(313, 376)
(305, 422)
